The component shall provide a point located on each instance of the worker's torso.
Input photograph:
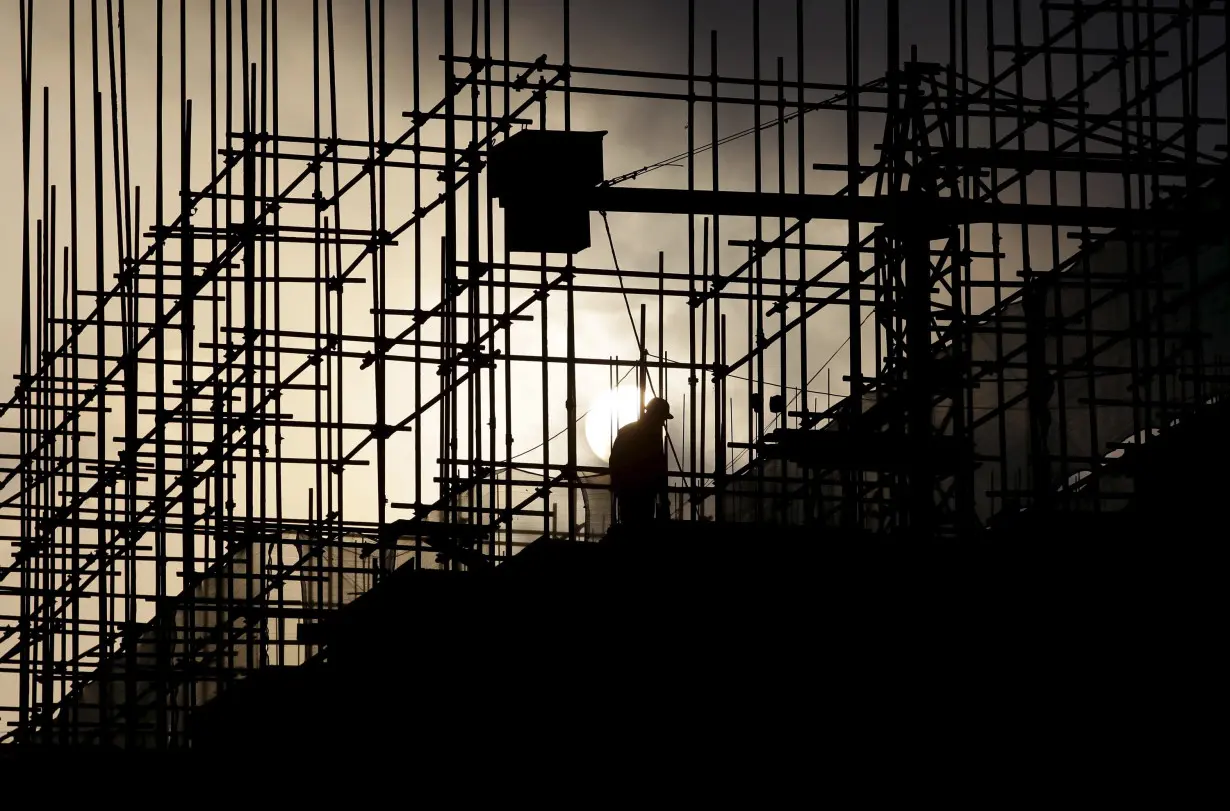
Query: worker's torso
(637, 458)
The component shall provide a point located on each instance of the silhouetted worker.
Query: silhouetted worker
(638, 466)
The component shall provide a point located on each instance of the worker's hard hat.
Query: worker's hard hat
(659, 408)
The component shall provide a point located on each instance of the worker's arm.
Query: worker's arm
(617, 464)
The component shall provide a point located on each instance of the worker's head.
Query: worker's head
(658, 411)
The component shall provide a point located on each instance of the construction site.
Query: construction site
(325, 315)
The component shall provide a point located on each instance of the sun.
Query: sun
(608, 412)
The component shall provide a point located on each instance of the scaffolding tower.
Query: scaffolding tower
(327, 314)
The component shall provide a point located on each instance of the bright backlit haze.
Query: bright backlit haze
(610, 410)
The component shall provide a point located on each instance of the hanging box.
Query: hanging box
(538, 176)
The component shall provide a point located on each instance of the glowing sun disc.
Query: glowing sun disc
(610, 411)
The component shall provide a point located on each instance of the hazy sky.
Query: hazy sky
(648, 35)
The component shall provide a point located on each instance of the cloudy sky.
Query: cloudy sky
(647, 35)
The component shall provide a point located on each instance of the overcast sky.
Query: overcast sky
(648, 35)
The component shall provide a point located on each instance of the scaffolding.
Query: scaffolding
(280, 335)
